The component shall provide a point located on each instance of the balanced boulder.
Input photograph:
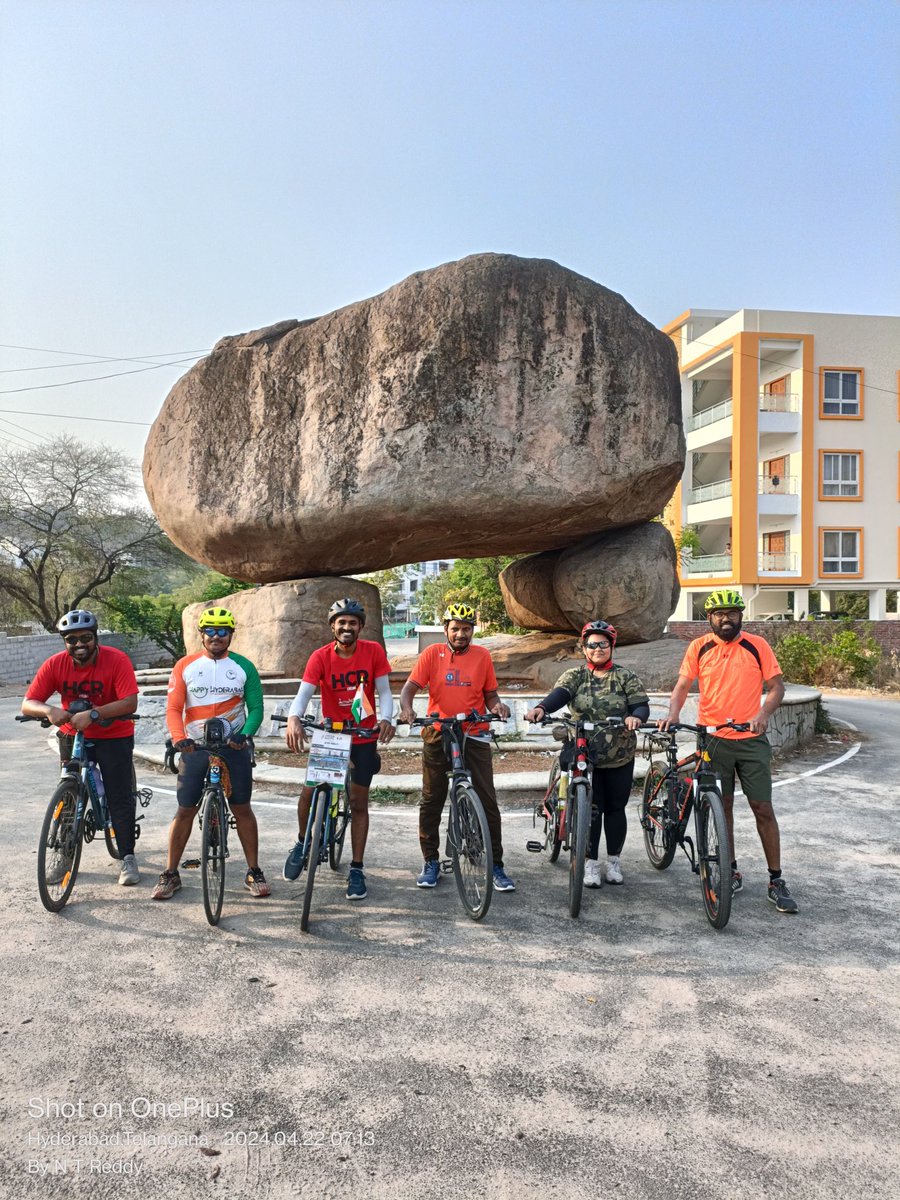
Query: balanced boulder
(495, 405)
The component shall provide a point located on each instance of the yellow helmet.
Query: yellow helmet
(215, 618)
(459, 612)
(723, 598)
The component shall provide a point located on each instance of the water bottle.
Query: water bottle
(563, 787)
(98, 781)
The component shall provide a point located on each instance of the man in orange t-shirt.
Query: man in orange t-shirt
(731, 668)
(460, 678)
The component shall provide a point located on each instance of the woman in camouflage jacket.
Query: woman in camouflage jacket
(594, 691)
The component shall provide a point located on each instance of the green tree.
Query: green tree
(69, 525)
(475, 581)
(389, 584)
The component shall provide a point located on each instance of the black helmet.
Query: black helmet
(79, 620)
(346, 608)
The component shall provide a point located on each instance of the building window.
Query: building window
(841, 475)
(841, 392)
(841, 551)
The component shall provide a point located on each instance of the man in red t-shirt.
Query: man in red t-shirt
(731, 668)
(338, 670)
(102, 679)
(460, 678)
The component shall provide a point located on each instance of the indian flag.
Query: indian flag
(360, 706)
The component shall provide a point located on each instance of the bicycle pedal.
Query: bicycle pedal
(447, 866)
(534, 847)
(191, 863)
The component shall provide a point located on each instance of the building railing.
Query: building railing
(778, 485)
(710, 491)
(778, 561)
(707, 564)
(790, 402)
(707, 416)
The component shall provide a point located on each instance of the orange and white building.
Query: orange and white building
(792, 475)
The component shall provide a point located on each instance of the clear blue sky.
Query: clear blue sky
(175, 172)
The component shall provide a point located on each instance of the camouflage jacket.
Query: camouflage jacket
(596, 695)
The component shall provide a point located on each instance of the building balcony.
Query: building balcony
(789, 403)
(710, 491)
(778, 495)
(709, 416)
(706, 564)
(778, 563)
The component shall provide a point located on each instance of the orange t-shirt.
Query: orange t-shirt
(731, 676)
(456, 682)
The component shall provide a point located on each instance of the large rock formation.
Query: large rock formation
(279, 625)
(627, 577)
(492, 405)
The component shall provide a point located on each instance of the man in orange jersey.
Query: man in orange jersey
(459, 678)
(213, 683)
(731, 668)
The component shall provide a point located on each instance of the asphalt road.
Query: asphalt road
(400, 1047)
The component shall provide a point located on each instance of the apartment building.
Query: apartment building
(792, 475)
(414, 575)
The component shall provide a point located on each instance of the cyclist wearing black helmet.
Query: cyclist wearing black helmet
(346, 670)
(595, 691)
(460, 678)
(731, 667)
(103, 676)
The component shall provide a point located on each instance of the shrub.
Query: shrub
(840, 659)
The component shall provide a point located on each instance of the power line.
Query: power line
(146, 358)
(26, 412)
(98, 357)
(42, 387)
(32, 432)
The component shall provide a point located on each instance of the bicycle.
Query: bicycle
(470, 855)
(566, 807)
(215, 819)
(329, 815)
(670, 796)
(77, 811)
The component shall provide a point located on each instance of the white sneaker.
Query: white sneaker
(614, 870)
(592, 876)
(129, 874)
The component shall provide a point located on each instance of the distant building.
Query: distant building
(792, 478)
(414, 575)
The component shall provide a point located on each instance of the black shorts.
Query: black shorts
(192, 773)
(365, 761)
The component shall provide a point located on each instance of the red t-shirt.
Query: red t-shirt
(338, 679)
(110, 677)
(456, 682)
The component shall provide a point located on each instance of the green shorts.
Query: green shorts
(750, 758)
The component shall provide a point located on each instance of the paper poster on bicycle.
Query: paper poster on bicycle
(329, 758)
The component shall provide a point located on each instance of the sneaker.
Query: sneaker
(614, 870)
(169, 884)
(356, 884)
(129, 874)
(56, 871)
(592, 874)
(293, 864)
(431, 873)
(737, 882)
(502, 882)
(780, 896)
(255, 882)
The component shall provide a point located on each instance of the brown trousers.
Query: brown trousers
(477, 757)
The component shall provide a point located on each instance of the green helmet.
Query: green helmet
(724, 598)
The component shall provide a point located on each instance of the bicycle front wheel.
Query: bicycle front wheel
(59, 850)
(658, 817)
(579, 817)
(212, 855)
(472, 853)
(321, 799)
(714, 858)
(338, 832)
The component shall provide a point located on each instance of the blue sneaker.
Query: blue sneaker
(356, 884)
(294, 862)
(502, 882)
(431, 873)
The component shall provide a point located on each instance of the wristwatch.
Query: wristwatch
(95, 716)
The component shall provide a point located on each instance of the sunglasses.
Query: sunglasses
(217, 632)
(79, 639)
(596, 645)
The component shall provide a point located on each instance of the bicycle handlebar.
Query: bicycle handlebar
(572, 722)
(327, 724)
(678, 726)
(105, 721)
(460, 718)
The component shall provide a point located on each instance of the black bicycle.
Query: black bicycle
(470, 855)
(671, 793)
(329, 815)
(215, 818)
(77, 811)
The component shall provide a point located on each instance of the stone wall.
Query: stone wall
(885, 633)
(20, 657)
